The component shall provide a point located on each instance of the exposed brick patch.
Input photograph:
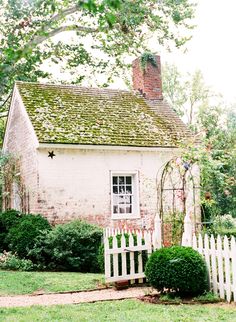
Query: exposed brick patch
(148, 82)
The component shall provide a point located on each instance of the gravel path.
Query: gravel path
(73, 298)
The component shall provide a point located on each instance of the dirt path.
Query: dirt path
(73, 298)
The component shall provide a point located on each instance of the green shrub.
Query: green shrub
(13, 262)
(8, 219)
(101, 254)
(177, 268)
(71, 247)
(22, 236)
(222, 225)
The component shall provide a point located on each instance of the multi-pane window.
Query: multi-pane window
(122, 194)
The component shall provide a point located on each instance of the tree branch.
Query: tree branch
(39, 39)
(64, 13)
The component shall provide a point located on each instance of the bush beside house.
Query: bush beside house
(69, 247)
(28, 242)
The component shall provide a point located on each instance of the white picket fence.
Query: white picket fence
(124, 255)
(220, 257)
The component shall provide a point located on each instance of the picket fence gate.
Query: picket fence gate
(125, 256)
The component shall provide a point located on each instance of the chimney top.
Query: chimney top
(147, 77)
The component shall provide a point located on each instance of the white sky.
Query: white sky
(213, 46)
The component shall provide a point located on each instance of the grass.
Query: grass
(207, 297)
(126, 310)
(13, 282)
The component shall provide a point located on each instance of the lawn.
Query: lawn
(13, 283)
(126, 310)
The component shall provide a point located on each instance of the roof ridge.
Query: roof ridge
(74, 86)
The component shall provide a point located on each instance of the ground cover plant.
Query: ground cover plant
(13, 283)
(177, 268)
(126, 310)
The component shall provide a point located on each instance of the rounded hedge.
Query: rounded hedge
(21, 237)
(178, 268)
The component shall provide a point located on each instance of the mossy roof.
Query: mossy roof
(79, 115)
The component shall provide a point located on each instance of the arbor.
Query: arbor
(215, 124)
(100, 32)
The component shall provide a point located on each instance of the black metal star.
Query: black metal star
(51, 154)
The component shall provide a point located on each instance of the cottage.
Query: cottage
(92, 153)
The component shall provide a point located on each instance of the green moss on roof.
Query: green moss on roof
(78, 115)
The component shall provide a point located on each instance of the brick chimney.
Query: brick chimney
(148, 81)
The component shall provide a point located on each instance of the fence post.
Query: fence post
(157, 240)
(188, 233)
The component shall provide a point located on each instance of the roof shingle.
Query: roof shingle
(79, 115)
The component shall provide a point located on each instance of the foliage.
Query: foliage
(118, 237)
(214, 126)
(18, 282)
(99, 34)
(70, 247)
(8, 219)
(226, 221)
(9, 174)
(222, 225)
(170, 298)
(147, 57)
(174, 223)
(207, 297)
(13, 262)
(177, 268)
(21, 237)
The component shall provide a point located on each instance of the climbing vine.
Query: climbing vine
(10, 176)
(146, 58)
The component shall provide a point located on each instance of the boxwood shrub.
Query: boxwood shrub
(69, 247)
(8, 219)
(178, 268)
(21, 237)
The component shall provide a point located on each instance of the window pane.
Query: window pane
(121, 180)
(128, 199)
(115, 199)
(128, 180)
(121, 209)
(115, 189)
(115, 209)
(128, 209)
(121, 200)
(129, 189)
(121, 189)
(114, 180)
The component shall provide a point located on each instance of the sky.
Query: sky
(212, 48)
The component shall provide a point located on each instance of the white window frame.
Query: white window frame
(135, 186)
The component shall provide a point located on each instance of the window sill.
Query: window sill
(125, 216)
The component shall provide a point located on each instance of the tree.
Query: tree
(103, 32)
(214, 123)
(186, 94)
